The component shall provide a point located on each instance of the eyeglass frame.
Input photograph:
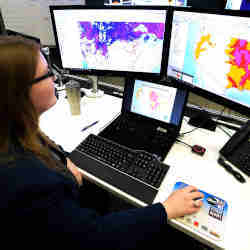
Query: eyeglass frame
(47, 75)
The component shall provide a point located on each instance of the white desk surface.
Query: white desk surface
(202, 172)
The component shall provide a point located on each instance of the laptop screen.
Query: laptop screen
(156, 101)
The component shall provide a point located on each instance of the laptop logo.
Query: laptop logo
(163, 130)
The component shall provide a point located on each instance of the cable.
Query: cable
(197, 149)
(184, 143)
(182, 134)
(220, 127)
(222, 111)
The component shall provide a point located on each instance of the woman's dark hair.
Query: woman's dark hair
(19, 119)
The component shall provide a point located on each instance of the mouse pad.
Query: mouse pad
(210, 219)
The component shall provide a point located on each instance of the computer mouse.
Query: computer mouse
(198, 149)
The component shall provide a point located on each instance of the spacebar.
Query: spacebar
(113, 177)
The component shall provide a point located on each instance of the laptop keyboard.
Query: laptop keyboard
(138, 164)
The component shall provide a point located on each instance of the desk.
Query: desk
(203, 172)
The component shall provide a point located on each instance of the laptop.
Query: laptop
(150, 119)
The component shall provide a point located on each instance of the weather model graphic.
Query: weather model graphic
(234, 64)
(104, 44)
(153, 101)
(212, 54)
(239, 53)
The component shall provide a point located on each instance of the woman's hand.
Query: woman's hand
(75, 171)
(183, 201)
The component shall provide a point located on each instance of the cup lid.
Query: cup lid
(72, 84)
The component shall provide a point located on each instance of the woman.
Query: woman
(39, 187)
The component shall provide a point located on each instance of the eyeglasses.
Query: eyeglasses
(47, 75)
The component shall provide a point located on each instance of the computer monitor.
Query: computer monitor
(94, 2)
(238, 5)
(147, 2)
(2, 26)
(15, 33)
(108, 40)
(209, 53)
(207, 4)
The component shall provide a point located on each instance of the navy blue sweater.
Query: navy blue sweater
(40, 204)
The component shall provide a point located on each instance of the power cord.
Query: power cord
(184, 143)
(197, 149)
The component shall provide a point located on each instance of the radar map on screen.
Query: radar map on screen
(153, 101)
(103, 43)
(146, 2)
(216, 57)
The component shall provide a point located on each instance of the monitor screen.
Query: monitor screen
(147, 2)
(153, 100)
(116, 40)
(238, 4)
(210, 54)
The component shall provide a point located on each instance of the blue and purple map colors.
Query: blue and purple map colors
(98, 38)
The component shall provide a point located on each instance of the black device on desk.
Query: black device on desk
(127, 154)
(237, 149)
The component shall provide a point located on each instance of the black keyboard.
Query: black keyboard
(138, 164)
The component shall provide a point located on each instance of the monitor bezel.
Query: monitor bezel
(235, 106)
(153, 76)
(2, 25)
(128, 92)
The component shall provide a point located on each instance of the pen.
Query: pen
(90, 125)
(117, 93)
(229, 169)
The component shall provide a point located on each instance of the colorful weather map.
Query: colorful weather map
(236, 64)
(146, 2)
(238, 52)
(213, 55)
(153, 102)
(239, 57)
(132, 46)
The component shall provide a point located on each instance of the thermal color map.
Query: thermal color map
(153, 102)
(146, 2)
(239, 57)
(121, 45)
(218, 63)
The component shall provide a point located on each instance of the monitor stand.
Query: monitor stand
(94, 92)
(202, 120)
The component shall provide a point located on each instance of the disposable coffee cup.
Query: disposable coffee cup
(73, 96)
